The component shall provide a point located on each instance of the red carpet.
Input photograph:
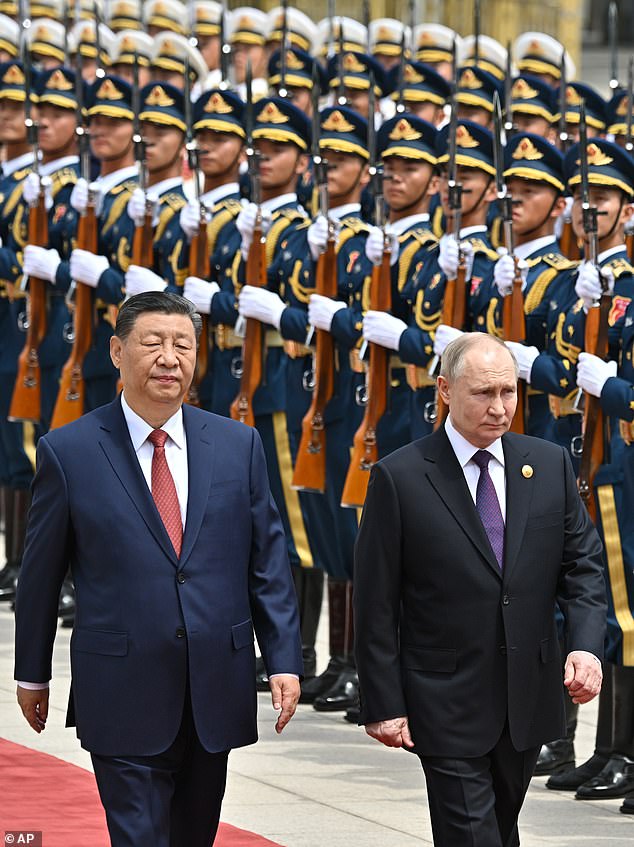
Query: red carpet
(41, 793)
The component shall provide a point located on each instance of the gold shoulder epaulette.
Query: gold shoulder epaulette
(174, 200)
(480, 246)
(355, 224)
(620, 267)
(18, 176)
(558, 262)
(128, 185)
(291, 214)
(423, 236)
(231, 205)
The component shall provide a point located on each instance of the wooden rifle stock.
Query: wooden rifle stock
(593, 452)
(26, 400)
(514, 329)
(568, 243)
(310, 465)
(629, 245)
(365, 451)
(252, 347)
(70, 398)
(199, 266)
(454, 313)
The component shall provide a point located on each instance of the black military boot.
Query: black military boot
(628, 805)
(17, 513)
(9, 571)
(344, 692)
(616, 778)
(570, 780)
(339, 613)
(559, 755)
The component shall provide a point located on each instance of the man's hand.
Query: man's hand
(285, 692)
(34, 705)
(392, 733)
(582, 676)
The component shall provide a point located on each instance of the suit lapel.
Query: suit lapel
(201, 451)
(447, 478)
(519, 491)
(116, 444)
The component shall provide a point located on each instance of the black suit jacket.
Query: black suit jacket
(442, 635)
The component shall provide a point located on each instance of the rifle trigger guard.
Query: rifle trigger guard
(576, 446)
(23, 322)
(430, 412)
(237, 367)
(361, 395)
(68, 332)
(308, 379)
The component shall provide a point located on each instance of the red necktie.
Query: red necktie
(164, 491)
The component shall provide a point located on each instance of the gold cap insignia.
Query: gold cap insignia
(412, 76)
(535, 47)
(244, 22)
(128, 44)
(158, 97)
(14, 76)
(109, 91)
(384, 33)
(573, 98)
(292, 62)
(404, 131)
(469, 80)
(621, 109)
(352, 65)
(597, 157)
(58, 82)
(527, 471)
(271, 114)
(218, 105)
(42, 33)
(522, 91)
(464, 138)
(336, 122)
(527, 150)
(425, 39)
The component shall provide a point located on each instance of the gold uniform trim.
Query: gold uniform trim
(616, 569)
(291, 497)
(538, 289)
(116, 210)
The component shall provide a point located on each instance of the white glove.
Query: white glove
(524, 356)
(137, 205)
(87, 267)
(263, 305)
(246, 223)
(318, 236)
(444, 336)
(190, 219)
(383, 329)
(40, 262)
(593, 373)
(139, 280)
(79, 196)
(31, 190)
(200, 293)
(450, 253)
(504, 273)
(321, 311)
(374, 245)
(588, 285)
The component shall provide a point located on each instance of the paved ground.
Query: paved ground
(323, 782)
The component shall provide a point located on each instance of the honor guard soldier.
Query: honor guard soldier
(82, 39)
(356, 71)
(425, 93)
(220, 135)
(301, 31)
(248, 27)
(617, 118)
(533, 107)
(344, 142)
(298, 81)
(207, 29)
(46, 40)
(487, 54)
(16, 471)
(539, 55)
(130, 49)
(408, 149)
(596, 117)
(9, 38)
(386, 37)
(110, 119)
(432, 44)
(169, 60)
(331, 34)
(125, 16)
(162, 122)
(476, 90)
(165, 16)
(610, 771)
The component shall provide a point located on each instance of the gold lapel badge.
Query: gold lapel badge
(527, 471)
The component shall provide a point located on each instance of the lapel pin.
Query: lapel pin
(527, 471)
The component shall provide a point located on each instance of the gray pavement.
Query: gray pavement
(324, 782)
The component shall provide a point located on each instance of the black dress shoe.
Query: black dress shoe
(343, 695)
(616, 779)
(554, 757)
(628, 806)
(353, 714)
(66, 604)
(313, 688)
(571, 780)
(8, 581)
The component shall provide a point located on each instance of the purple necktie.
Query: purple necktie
(488, 506)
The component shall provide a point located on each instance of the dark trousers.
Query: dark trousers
(172, 799)
(475, 802)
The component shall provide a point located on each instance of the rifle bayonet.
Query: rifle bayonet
(400, 105)
(613, 23)
(99, 72)
(504, 198)
(629, 145)
(281, 89)
(341, 95)
(563, 85)
(476, 31)
(590, 220)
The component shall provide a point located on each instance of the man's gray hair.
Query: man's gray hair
(454, 354)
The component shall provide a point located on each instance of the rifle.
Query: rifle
(199, 259)
(400, 104)
(310, 465)
(568, 242)
(513, 324)
(454, 309)
(225, 50)
(70, 398)
(251, 371)
(629, 144)
(613, 23)
(281, 89)
(26, 400)
(99, 72)
(143, 243)
(508, 95)
(365, 451)
(477, 30)
(596, 337)
(341, 89)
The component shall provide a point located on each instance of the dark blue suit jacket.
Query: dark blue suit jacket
(146, 621)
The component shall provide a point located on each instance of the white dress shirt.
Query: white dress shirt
(175, 450)
(464, 453)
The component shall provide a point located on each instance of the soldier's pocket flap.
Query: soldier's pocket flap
(434, 659)
(104, 642)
